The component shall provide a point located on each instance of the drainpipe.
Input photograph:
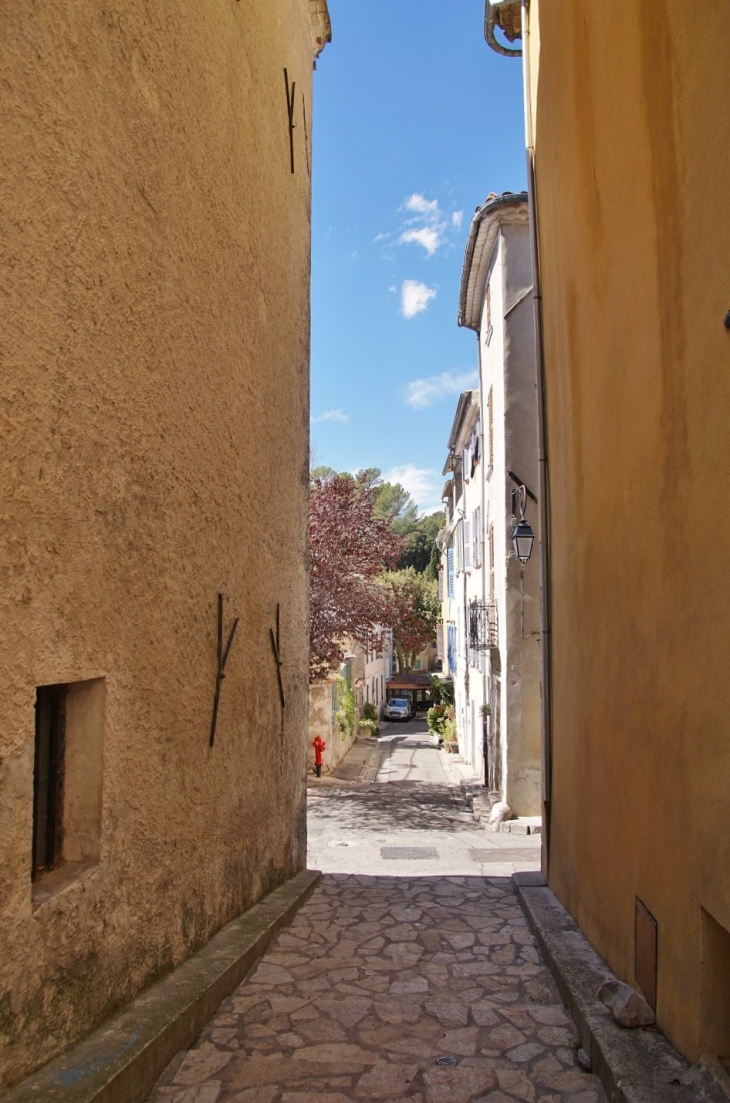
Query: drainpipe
(544, 481)
(482, 545)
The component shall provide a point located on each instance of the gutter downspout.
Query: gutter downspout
(543, 470)
(483, 549)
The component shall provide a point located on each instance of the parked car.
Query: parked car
(398, 708)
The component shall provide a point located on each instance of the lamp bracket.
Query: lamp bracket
(519, 482)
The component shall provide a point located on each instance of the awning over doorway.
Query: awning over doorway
(409, 681)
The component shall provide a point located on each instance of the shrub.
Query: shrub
(346, 707)
(372, 724)
(435, 719)
(369, 711)
(442, 692)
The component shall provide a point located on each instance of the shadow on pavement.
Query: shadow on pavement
(404, 805)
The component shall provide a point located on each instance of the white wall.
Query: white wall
(507, 368)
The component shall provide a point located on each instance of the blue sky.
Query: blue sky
(415, 122)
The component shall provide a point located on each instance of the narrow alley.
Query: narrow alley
(408, 974)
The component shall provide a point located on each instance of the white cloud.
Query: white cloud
(424, 223)
(420, 393)
(419, 203)
(333, 415)
(430, 237)
(422, 483)
(415, 297)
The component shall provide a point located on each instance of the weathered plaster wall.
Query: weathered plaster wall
(632, 183)
(521, 677)
(154, 265)
(323, 722)
(508, 370)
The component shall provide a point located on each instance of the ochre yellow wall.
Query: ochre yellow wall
(631, 112)
(154, 279)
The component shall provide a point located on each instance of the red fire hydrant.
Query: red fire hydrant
(319, 745)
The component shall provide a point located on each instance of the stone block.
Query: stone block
(499, 813)
(628, 1007)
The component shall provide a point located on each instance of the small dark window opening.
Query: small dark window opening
(50, 725)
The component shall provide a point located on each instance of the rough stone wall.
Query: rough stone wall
(154, 266)
(635, 245)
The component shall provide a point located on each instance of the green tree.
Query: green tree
(414, 612)
(322, 472)
(392, 501)
(415, 551)
(419, 545)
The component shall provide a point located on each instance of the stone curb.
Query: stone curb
(122, 1060)
(635, 1066)
(371, 766)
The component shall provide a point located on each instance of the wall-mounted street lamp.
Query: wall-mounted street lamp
(522, 535)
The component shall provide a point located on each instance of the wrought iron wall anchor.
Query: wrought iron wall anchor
(222, 660)
(274, 637)
(290, 103)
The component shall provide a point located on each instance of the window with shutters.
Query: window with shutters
(451, 647)
(466, 533)
(476, 527)
(476, 449)
(450, 572)
(491, 564)
(490, 431)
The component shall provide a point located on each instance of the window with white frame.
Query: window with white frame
(466, 531)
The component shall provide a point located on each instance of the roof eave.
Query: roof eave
(479, 246)
(320, 26)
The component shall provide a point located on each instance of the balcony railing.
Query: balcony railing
(483, 627)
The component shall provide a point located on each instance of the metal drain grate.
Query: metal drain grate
(503, 854)
(401, 853)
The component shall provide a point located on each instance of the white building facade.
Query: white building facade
(491, 601)
(462, 577)
(374, 665)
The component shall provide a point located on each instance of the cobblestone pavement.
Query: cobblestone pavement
(424, 987)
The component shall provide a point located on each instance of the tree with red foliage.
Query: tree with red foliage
(349, 548)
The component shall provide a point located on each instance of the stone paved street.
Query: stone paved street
(411, 802)
(426, 987)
